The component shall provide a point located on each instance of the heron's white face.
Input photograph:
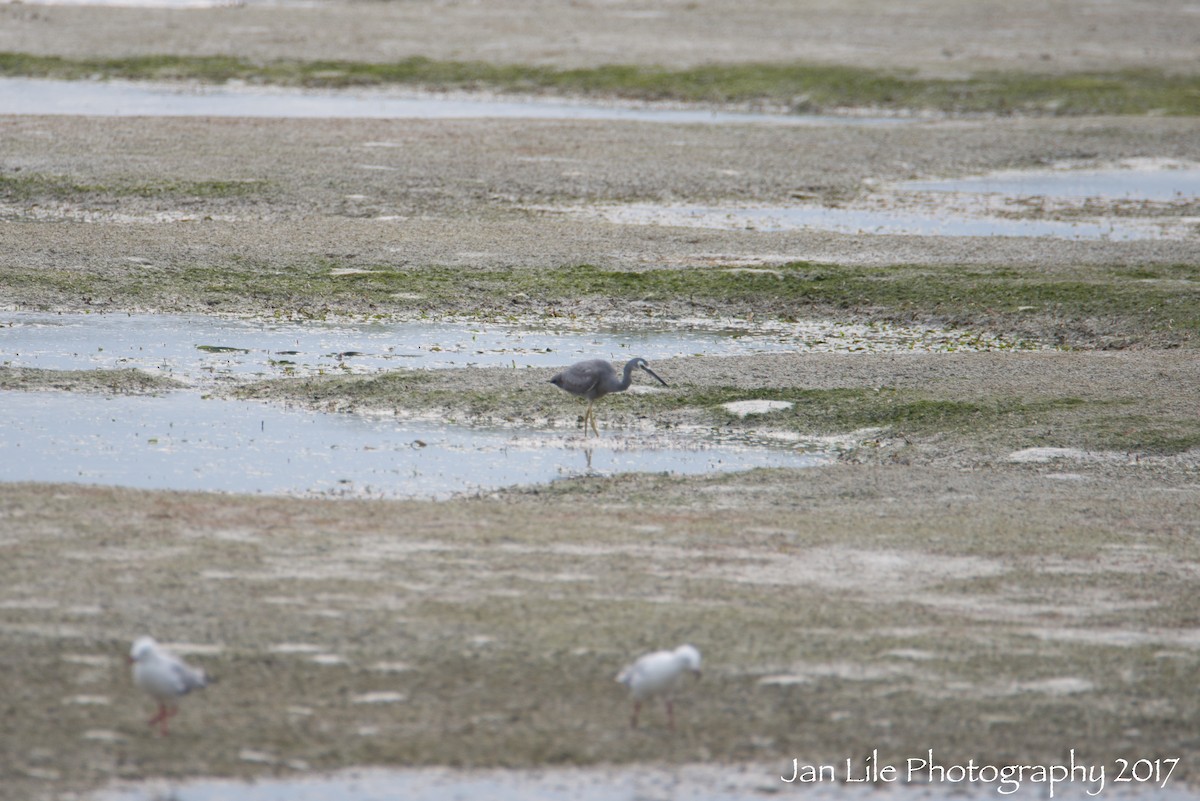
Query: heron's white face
(639, 362)
(142, 648)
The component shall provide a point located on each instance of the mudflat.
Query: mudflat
(934, 36)
(1000, 565)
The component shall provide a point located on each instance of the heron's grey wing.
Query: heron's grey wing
(586, 375)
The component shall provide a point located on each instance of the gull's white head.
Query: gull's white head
(690, 658)
(142, 648)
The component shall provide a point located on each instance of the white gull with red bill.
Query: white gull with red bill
(658, 674)
(164, 677)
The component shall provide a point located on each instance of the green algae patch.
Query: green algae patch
(27, 186)
(1084, 307)
(794, 87)
(994, 422)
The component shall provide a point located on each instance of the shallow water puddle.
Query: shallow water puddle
(873, 221)
(125, 99)
(181, 440)
(195, 348)
(1060, 203)
(1140, 179)
(186, 442)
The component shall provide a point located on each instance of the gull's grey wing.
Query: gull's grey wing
(187, 678)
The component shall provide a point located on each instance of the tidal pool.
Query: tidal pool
(198, 349)
(127, 99)
(1031, 203)
(1136, 180)
(847, 220)
(184, 441)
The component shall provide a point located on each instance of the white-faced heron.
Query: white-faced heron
(594, 379)
(658, 674)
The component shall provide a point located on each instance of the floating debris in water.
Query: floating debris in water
(221, 349)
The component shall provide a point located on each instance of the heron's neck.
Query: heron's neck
(627, 379)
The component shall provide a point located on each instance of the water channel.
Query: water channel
(995, 204)
(198, 349)
(24, 96)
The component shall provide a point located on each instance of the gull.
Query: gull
(658, 673)
(164, 677)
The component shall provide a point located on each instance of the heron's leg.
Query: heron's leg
(637, 707)
(670, 715)
(589, 415)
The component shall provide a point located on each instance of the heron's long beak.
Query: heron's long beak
(651, 372)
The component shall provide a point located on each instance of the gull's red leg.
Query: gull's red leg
(161, 717)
